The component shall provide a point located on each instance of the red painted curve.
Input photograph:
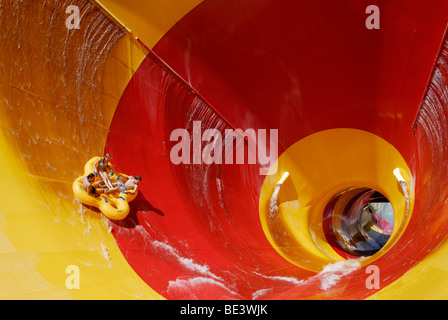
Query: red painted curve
(300, 67)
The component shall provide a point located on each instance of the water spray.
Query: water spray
(273, 208)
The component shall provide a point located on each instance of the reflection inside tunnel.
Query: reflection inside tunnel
(358, 221)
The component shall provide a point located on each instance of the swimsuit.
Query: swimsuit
(121, 186)
(93, 191)
(103, 165)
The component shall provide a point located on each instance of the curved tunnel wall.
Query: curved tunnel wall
(59, 90)
(253, 70)
(195, 231)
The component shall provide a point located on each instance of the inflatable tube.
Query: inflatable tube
(115, 205)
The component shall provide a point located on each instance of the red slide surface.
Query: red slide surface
(300, 67)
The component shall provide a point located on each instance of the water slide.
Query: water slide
(356, 100)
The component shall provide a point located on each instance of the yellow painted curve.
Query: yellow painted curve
(296, 232)
(56, 105)
(148, 19)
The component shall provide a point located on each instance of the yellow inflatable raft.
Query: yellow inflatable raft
(115, 205)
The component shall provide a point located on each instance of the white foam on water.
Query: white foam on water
(105, 252)
(405, 189)
(195, 285)
(328, 277)
(260, 293)
(273, 208)
(333, 272)
(185, 262)
(280, 278)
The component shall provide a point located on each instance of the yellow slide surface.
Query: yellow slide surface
(60, 87)
(58, 95)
